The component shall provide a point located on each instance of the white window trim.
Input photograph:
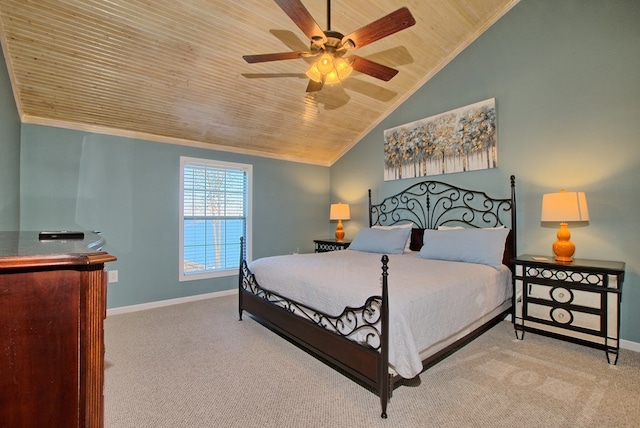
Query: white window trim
(248, 239)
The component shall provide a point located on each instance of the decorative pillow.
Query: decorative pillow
(384, 241)
(396, 226)
(484, 246)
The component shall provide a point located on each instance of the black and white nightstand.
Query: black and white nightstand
(325, 245)
(578, 301)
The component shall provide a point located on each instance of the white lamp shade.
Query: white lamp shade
(564, 207)
(339, 212)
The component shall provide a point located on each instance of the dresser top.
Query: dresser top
(24, 249)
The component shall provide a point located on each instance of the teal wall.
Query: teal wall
(129, 190)
(565, 75)
(10, 158)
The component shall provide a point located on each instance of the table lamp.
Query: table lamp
(339, 212)
(564, 207)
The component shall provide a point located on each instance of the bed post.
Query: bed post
(240, 278)
(383, 374)
(514, 249)
(370, 218)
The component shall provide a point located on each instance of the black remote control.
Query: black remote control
(60, 235)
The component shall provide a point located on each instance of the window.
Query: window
(214, 214)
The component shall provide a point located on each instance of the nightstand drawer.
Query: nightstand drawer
(566, 295)
(565, 317)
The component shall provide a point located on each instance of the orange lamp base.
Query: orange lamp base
(563, 248)
(339, 232)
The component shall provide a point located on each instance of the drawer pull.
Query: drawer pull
(561, 316)
(562, 295)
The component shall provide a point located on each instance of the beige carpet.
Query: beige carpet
(196, 365)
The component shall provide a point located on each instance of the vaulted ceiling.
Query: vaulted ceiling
(172, 70)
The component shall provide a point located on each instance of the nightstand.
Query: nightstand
(578, 301)
(325, 245)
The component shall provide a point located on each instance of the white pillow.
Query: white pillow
(484, 246)
(384, 241)
(399, 226)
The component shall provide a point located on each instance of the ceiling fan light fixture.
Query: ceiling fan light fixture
(329, 69)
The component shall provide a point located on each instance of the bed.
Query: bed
(431, 273)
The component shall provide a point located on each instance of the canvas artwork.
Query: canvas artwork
(459, 140)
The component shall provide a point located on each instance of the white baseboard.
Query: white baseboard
(632, 346)
(169, 302)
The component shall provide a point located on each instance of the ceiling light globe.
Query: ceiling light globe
(343, 68)
(331, 78)
(325, 64)
(314, 74)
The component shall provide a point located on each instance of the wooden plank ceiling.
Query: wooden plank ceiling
(172, 71)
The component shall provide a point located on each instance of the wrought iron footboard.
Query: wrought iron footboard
(359, 324)
(363, 332)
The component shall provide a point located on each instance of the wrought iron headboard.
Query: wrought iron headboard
(430, 204)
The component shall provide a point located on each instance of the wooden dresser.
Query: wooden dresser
(52, 308)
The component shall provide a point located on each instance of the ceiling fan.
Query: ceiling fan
(330, 46)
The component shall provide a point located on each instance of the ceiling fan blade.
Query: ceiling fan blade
(302, 18)
(371, 68)
(383, 27)
(273, 56)
(314, 86)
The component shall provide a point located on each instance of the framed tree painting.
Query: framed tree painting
(459, 140)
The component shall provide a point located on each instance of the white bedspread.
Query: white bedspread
(428, 299)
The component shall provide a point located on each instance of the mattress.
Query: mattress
(430, 301)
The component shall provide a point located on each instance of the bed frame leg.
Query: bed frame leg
(240, 278)
(384, 398)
